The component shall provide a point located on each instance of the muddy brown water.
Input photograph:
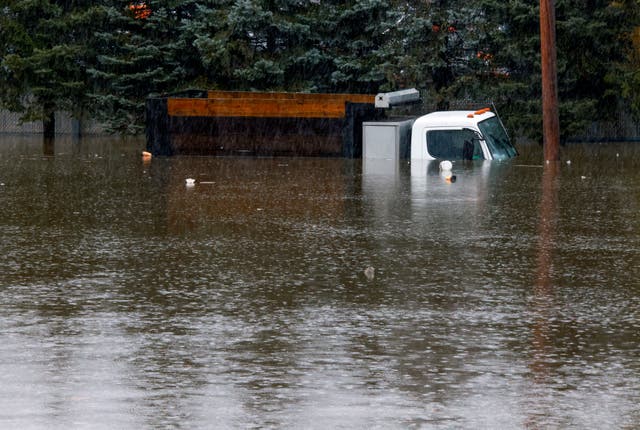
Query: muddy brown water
(507, 299)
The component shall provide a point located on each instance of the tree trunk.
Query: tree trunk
(49, 122)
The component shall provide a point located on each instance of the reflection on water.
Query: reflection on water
(507, 299)
(541, 331)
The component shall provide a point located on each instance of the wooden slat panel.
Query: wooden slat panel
(254, 126)
(267, 108)
(353, 98)
(235, 144)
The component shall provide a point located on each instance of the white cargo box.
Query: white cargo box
(386, 139)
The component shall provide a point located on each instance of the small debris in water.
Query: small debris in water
(190, 182)
(583, 177)
(370, 273)
(446, 165)
(568, 161)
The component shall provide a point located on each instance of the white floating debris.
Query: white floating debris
(446, 165)
(583, 177)
(370, 273)
(190, 182)
(568, 161)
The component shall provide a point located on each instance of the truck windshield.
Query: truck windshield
(497, 139)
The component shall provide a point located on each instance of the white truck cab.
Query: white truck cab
(460, 135)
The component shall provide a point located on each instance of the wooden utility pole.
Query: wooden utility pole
(550, 115)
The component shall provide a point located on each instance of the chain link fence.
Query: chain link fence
(65, 124)
(622, 128)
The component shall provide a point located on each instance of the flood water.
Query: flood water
(507, 299)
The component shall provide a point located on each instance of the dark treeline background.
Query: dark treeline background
(101, 59)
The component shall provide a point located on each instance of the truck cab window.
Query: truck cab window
(454, 145)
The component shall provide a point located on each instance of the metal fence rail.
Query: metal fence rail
(65, 124)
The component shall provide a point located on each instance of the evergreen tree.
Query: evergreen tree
(356, 35)
(296, 45)
(206, 34)
(44, 51)
(511, 51)
(490, 50)
(590, 45)
(624, 75)
(112, 54)
(260, 45)
(443, 50)
(142, 51)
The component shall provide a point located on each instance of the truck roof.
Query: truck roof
(454, 118)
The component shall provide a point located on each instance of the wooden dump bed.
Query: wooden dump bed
(258, 123)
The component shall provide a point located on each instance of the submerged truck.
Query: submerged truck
(460, 135)
(444, 135)
(199, 122)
